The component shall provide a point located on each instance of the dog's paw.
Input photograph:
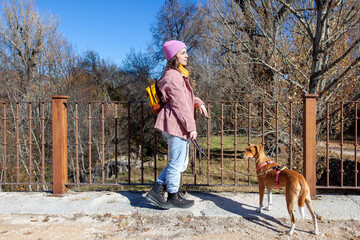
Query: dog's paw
(316, 232)
(268, 208)
(258, 210)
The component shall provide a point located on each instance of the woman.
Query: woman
(177, 125)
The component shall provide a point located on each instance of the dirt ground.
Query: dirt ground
(156, 227)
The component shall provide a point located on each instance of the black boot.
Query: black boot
(156, 196)
(179, 201)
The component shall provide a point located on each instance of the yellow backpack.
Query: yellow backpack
(154, 96)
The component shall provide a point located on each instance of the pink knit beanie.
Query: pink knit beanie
(171, 48)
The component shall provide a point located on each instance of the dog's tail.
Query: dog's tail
(305, 198)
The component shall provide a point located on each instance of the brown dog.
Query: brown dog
(272, 176)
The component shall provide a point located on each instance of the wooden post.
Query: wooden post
(59, 119)
(309, 141)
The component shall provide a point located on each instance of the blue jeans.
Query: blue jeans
(178, 161)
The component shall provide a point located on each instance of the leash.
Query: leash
(222, 169)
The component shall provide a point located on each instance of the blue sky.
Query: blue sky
(109, 27)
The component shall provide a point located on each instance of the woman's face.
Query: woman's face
(182, 57)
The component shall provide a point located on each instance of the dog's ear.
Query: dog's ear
(259, 149)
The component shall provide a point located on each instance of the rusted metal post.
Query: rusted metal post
(59, 119)
(309, 141)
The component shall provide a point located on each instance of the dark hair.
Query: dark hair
(173, 63)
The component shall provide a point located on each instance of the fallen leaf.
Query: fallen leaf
(122, 216)
(123, 224)
(46, 219)
(147, 229)
(84, 198)
(328, 234)
(75, 199)
(34, 220)
(27, 233)
(4, 232)
(111, 201)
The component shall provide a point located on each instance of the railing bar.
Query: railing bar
(222, 143)
(337, 187)
(194, 162)
(356, 144)
(4, 143)
(142, 143)
(116, 143)
(235, 143)
(102, 143)
(89, 143)
(17, 145)
(155, 152)
(327, 143)
(208, 143)
(291, 136)
(129, 136)
(119, 102)
(277, 131)
(263, 125)
(27, 184)
(43, 142)
(77, 169)
(342, 144)
(249, 138)
(30, 144)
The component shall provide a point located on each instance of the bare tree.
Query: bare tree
(25, 35)
(34, 59)
(180, 20)
(332, 27)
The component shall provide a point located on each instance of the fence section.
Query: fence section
(338, 153)
(26, 162)
(112, 143)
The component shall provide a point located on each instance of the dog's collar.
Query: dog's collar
(263, 165)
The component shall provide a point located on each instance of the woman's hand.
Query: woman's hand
(204, 111)
(193, 135)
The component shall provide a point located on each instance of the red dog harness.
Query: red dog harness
(277, 168)
(263, 165)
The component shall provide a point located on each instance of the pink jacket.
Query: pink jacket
(177, 116)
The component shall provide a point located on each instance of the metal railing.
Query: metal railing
(339, 165)
(23, 147)
(112, 143)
